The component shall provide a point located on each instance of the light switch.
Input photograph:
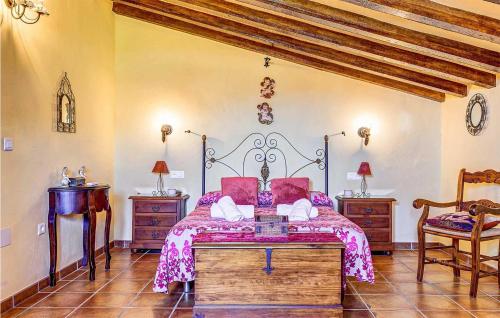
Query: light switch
(176, 174)
(8, 144)
(353, 176)
(5, 237)
(41, 229)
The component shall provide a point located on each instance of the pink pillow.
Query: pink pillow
(243, 190)
(289, 190)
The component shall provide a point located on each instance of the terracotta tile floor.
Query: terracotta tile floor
(126, 292)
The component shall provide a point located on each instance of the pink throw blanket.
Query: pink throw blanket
(177, 262)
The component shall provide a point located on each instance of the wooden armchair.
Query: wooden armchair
(478, 209)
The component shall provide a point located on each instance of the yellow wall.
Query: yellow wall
(77, 38)
(165, 76)
(475, 153)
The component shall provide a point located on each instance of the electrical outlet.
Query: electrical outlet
(41, 228)
(353, 176)
(176, 174)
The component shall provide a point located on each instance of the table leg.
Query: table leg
(85, 239)
(52, 239)
(91, 236)
(106, 237)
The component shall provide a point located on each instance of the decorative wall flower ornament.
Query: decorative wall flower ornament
(265, 113)
(267, 90)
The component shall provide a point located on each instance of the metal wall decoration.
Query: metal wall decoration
(265, 114)
(66, 113)
(267, 61)
(267, 90)
(476, 114)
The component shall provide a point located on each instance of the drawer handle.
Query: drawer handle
(155, 221)
(368, 210)
(369, 237)
(368, 222)
(155, 234)
(155, 208)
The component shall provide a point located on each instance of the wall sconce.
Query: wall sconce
(364, 132)
(28, 11)
(165, 131)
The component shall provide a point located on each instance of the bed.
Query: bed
(176, 260)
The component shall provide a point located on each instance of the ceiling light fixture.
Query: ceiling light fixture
(28, 11)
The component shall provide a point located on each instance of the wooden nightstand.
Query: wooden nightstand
(374, 216)
(152, 219)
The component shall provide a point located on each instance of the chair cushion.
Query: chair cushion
(484, 234)
(461, 221)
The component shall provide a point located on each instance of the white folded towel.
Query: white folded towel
(216, 211)
(300, 210)
(247, 210)
(227, 209)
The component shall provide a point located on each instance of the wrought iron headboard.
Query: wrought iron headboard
(264, 149)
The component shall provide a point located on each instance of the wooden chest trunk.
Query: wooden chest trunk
(298, 276)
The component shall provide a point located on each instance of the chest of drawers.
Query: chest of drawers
(152, 219)
(374, 216)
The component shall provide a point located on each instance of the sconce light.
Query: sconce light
(28, 11)
(165, 131)
(364, 132)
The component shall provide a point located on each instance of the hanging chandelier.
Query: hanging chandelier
(28, 11)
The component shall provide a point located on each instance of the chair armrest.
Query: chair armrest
(418, 203)
(477, 209)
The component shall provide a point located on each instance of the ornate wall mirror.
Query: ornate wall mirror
(475, 117)
(66, 121)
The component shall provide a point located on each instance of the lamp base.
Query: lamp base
(364, 187)
(160, 189)
(362, 195)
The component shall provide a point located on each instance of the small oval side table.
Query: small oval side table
(86, 200)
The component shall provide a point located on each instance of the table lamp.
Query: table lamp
(160, 168)
(364, 170)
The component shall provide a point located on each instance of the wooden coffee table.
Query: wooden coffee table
(241, 275)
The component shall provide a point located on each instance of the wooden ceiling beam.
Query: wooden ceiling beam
(338, 40)
(315, 12)
(315, 51)
(152, 16)
(438, 15)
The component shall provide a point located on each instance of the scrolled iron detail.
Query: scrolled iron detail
(265, 150)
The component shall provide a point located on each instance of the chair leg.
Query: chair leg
(456, 244)
(421, 254)
(476, 266)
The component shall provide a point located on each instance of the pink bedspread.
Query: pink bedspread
(177, 262)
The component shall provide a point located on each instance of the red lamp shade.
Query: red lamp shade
(160, 167)
(364, 169)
